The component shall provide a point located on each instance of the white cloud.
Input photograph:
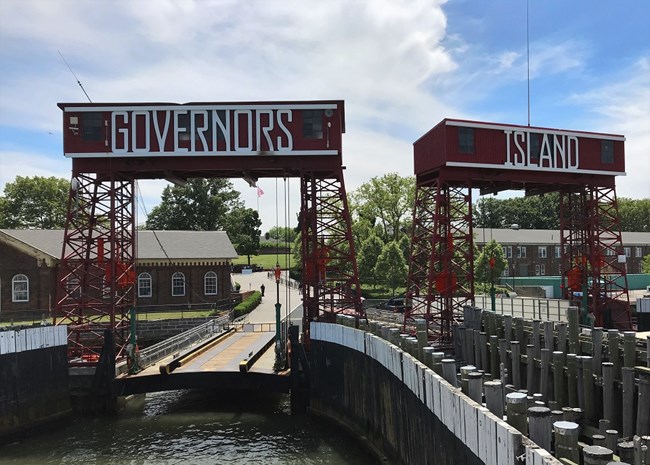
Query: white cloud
(624, 108)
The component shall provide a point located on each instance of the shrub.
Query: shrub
(248, 304)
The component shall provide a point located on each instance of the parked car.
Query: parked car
(396, 304)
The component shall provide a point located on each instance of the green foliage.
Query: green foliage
(391, 267)
(645, 265)
(201, 205)
(388, 201)
(634, 214)
(243, 227)
(483, 273)
(247, 305)
(34, 202)
(282, 234)
(367, 255)
(533, 212)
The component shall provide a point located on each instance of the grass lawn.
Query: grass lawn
(141, 316)
(267, 261)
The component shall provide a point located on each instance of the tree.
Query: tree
(389, 200)
(34, 202)
(369, 250)
(391, 266)
(483, 272)
(645, 264)
(243, 227)
(283, 234)
(634, 214)
(532, 212)
(201, 205)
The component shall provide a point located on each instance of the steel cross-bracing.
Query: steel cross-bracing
(593, 265)
(97, 269)
(441, 277)
(330, 283)
(114, 144)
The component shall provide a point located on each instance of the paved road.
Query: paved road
(265, 312)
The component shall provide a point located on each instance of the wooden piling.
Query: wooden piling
(573, 314)
(628, 401)
(597, 350)
(519, 331)
(465, 370)
(494, 397)
(598, 440)
(643, 401)
(494, 356)
(588, 386)
(530, 367)
(559, 393)
(482, 341)
(477, 350)
(629, 348)
(580, 382)
(544, 378)
(549, 341)
(515, 361)
(516, 405)
(539, 426)
(611, 439)
(566, 440)
(608, 391)
(597, 455)
(437, 358)
(614, 353)
(561, 337)
(571, 376)
(537, 343)
(508, 330)
(475, 386)
(626, 451)
(449, 371)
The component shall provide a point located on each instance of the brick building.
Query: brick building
(174, 269)
(537, 252)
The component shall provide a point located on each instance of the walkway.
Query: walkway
(265, 312)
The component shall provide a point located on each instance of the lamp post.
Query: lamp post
(493, 291)
(279, 362)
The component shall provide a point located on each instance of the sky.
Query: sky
(400, 65)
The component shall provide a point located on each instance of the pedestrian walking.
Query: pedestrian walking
(262, 287)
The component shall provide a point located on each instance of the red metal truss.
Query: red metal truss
(594, 258)
(331, 281)
(96, 274)
(441, 277)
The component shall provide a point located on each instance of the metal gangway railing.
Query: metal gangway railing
(182, 341)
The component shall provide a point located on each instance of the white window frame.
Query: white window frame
(18, 294)
(638, 251)
(142, 278)
(542, 269)
(537, 270)
(558, 251)
(628, 251)
(542, 251)
(210, 280)
(507, 251)
(521, 251)
(609, 252)
(178, 280)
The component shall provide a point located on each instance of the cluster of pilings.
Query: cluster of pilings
(574, 391)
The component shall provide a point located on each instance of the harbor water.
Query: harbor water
(191, 428)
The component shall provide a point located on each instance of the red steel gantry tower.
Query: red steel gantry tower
(456, 156)
(113, 145)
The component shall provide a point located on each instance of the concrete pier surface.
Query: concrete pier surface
(265, 312)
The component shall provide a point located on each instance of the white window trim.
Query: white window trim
(181, 276)
(542, 251)
(146, 276)
(638, 251)
(14, 292)
(211, 275)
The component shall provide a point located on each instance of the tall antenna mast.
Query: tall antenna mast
(527, 59)
(75, 76)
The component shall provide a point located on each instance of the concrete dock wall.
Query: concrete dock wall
(405, 410)
(33, 377)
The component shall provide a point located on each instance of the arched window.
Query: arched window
(20, 288)
(144, 285)
(210, 283)
(178, 284)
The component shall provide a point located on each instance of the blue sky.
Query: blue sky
(400, 65)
